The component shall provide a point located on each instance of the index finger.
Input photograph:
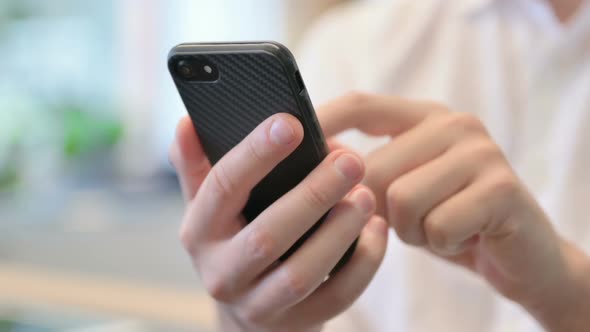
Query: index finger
(188, 158)
(373, 114)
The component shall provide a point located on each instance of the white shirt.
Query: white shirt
(512, 63)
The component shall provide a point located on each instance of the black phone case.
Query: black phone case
(256, 80)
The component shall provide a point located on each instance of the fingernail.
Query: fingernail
(364, 200)
(349, 166)
(281, 133)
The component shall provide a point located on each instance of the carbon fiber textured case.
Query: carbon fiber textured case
(254, 83)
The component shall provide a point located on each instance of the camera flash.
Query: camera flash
(208, 69)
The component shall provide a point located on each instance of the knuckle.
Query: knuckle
(505, 184)
(437, 112)
(221, 187)
(399, 201)
(356, 99)
(316, 197)
(295, 284)
(466, 122)
(186, 240)
(436, 108)
(255, 150)
(260, 245)
(249, 315)
(400, 212)
(435, 230)
(216, 286)
(485, 150)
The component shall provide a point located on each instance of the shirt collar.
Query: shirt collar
(475, 7)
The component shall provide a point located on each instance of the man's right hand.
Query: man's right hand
(237, 262)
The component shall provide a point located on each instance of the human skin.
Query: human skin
(444, 185)
(441, 183)
(238, 263)
(564, 10)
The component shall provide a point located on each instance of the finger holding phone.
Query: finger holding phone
(270, 213)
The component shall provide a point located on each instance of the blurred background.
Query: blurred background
(89, 206)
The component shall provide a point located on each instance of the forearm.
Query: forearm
(570, 310)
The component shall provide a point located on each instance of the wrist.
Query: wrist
(566, 308)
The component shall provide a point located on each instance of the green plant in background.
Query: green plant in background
(9, 169)
(9, 178)
(85, 132)
(73, 129)
(12, 133)
(6, 325)
(11, 11)
(16, 10)
(60, 124)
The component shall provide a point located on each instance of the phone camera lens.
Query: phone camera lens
(185, 69)
(195, 70)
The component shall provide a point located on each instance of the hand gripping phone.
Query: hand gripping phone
(228, 89)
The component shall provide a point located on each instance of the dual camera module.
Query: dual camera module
(196, 70)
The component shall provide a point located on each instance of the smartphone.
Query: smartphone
(228, 89)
